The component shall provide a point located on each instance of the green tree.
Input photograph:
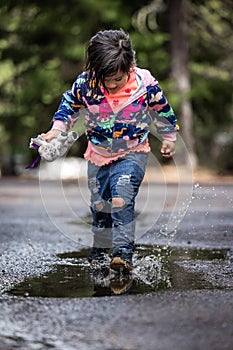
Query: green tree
(211, 68)
(199, 85)
(41, 52)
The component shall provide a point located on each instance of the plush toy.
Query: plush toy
(57, 147)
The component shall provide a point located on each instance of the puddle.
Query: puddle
(155, 269)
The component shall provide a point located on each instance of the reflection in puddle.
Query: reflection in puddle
(155, 269)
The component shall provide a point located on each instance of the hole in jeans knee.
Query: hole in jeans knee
(98, 206)
(118, 202)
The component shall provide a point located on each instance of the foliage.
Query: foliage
(212, 72)
(41, 52)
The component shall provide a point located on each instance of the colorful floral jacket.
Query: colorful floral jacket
(115, 132)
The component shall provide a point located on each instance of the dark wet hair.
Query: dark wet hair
(109, 52)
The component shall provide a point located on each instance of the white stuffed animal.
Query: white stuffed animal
(56, 147)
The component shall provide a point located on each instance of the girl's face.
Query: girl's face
(116, 81)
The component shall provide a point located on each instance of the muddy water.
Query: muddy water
(155, 269)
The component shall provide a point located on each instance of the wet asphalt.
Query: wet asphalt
(41, 220)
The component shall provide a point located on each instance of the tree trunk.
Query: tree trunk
(180, 73)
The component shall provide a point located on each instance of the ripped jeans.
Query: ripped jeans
(113, 190)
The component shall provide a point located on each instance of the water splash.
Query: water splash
(156, 268)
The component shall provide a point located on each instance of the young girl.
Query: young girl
(118, 98)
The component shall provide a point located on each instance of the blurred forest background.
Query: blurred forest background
(186, 44)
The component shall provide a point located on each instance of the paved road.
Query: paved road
(39, 221)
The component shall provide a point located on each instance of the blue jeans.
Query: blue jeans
(113, 190)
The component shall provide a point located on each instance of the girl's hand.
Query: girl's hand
(168, 148)
(51, 134)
